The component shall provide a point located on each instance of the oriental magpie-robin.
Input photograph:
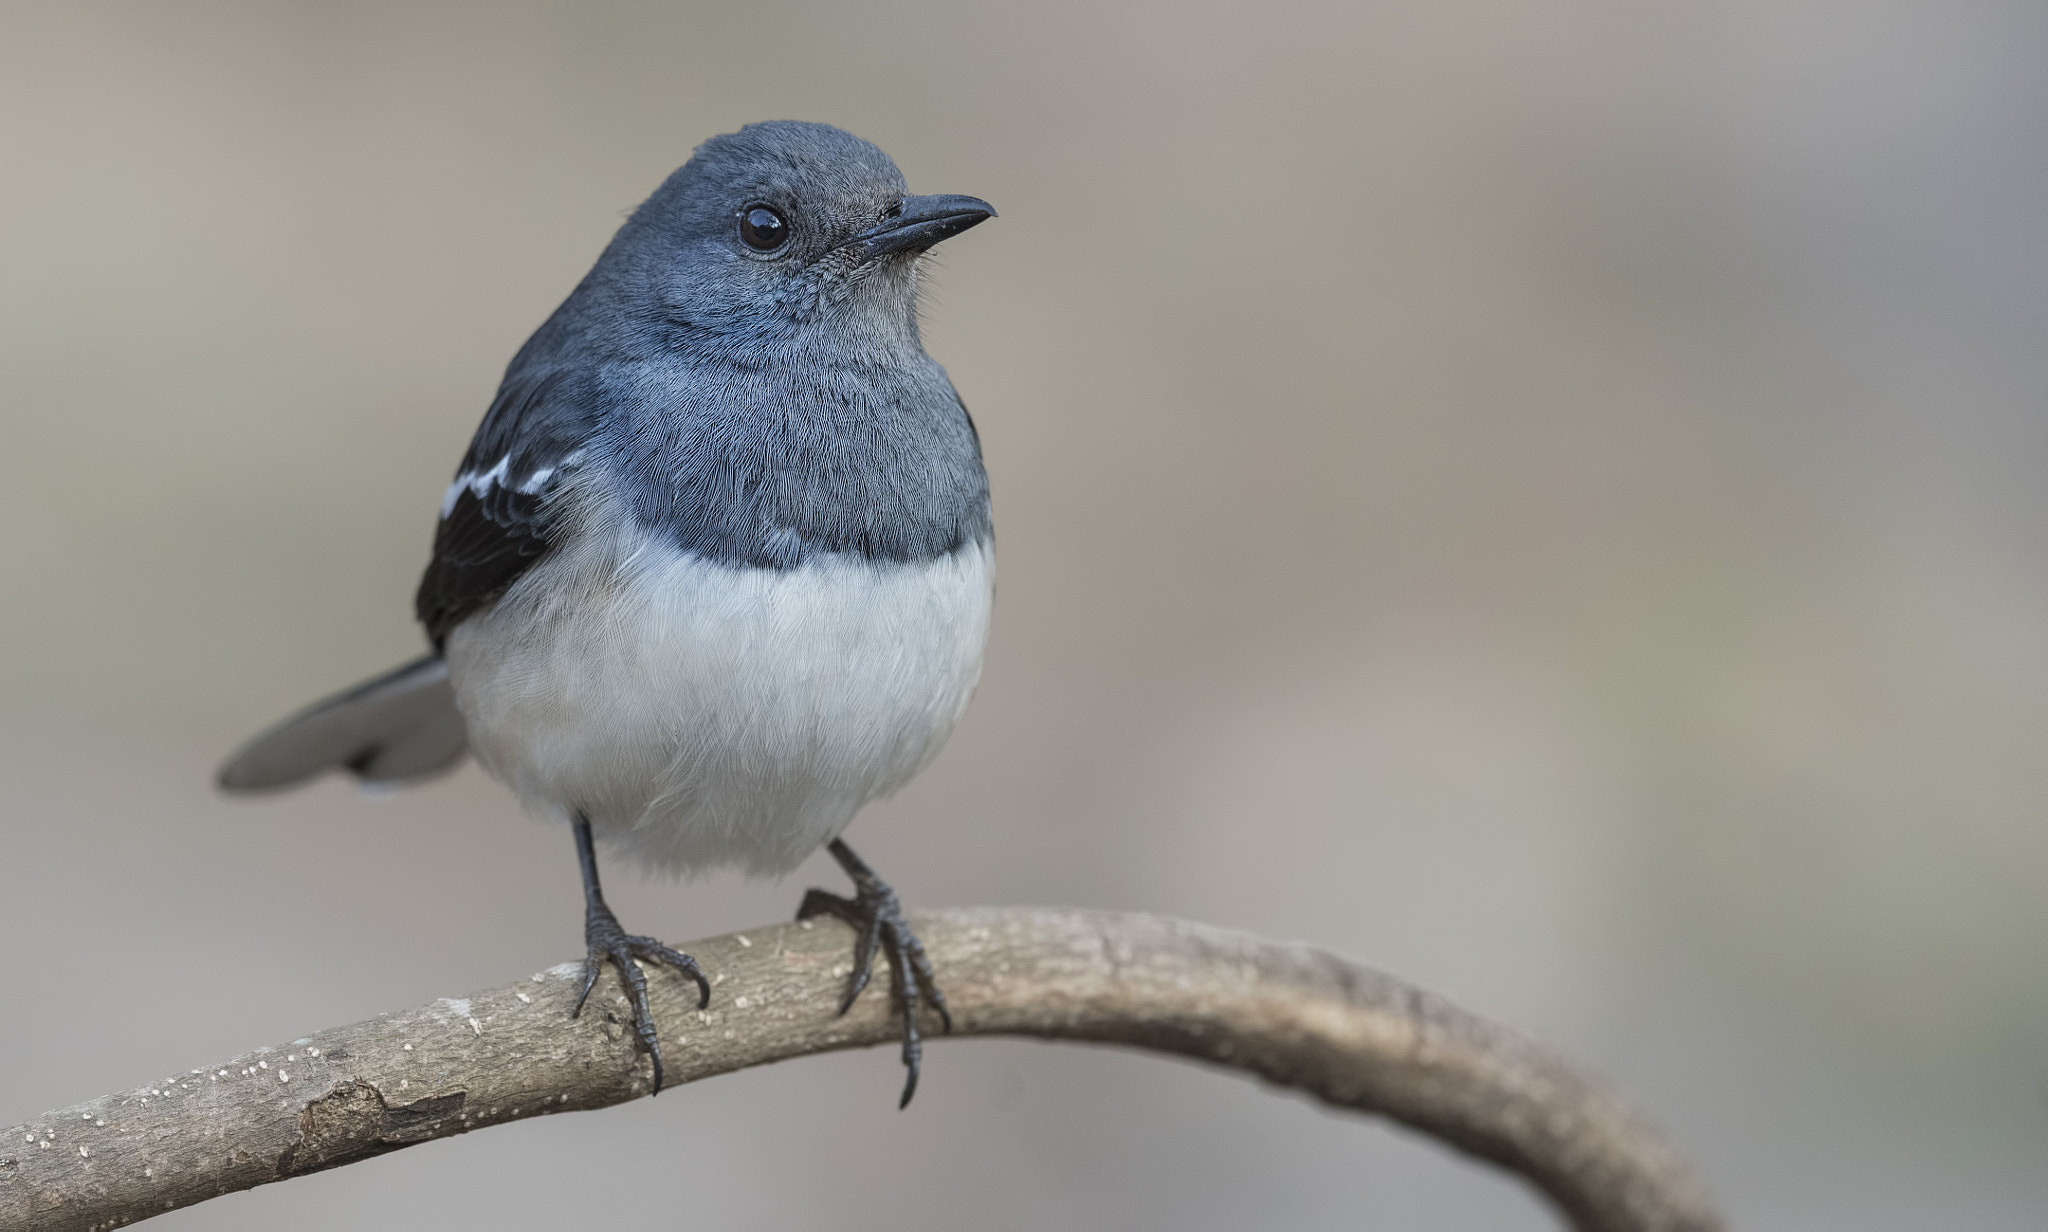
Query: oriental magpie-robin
(716, 570)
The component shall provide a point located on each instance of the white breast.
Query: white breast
(701, 714)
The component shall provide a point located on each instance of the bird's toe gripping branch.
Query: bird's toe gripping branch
(877, 921)
(608, 942)
(605, 941)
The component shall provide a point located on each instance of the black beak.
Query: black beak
(919, 223)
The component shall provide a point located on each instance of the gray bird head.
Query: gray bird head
(782, 234)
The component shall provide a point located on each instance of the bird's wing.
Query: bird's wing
(498, 519)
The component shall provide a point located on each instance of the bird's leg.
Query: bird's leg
(607, 942)
(877, 919)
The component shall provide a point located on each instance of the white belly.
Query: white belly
(705, 715)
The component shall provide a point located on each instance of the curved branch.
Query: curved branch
(1295, 1016)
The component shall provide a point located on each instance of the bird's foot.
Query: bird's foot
(877, 920)
(607, 942)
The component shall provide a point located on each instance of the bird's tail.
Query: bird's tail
(402, 725)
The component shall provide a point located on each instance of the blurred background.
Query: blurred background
(1546, 500)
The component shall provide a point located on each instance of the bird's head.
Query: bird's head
(782, 234)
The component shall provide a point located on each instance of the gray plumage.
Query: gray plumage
(398, 728)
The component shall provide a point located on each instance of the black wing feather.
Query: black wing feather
(502, 520)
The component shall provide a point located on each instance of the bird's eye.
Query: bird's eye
(762, 228)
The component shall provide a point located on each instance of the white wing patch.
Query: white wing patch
(476, 483)
(479, 482)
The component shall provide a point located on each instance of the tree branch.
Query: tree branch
(1295, 1016)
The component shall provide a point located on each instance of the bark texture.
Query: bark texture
(1293, 1015)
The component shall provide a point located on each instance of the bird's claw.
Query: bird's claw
(878, 923)
(608, 942)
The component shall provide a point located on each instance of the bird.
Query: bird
(718, 566)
